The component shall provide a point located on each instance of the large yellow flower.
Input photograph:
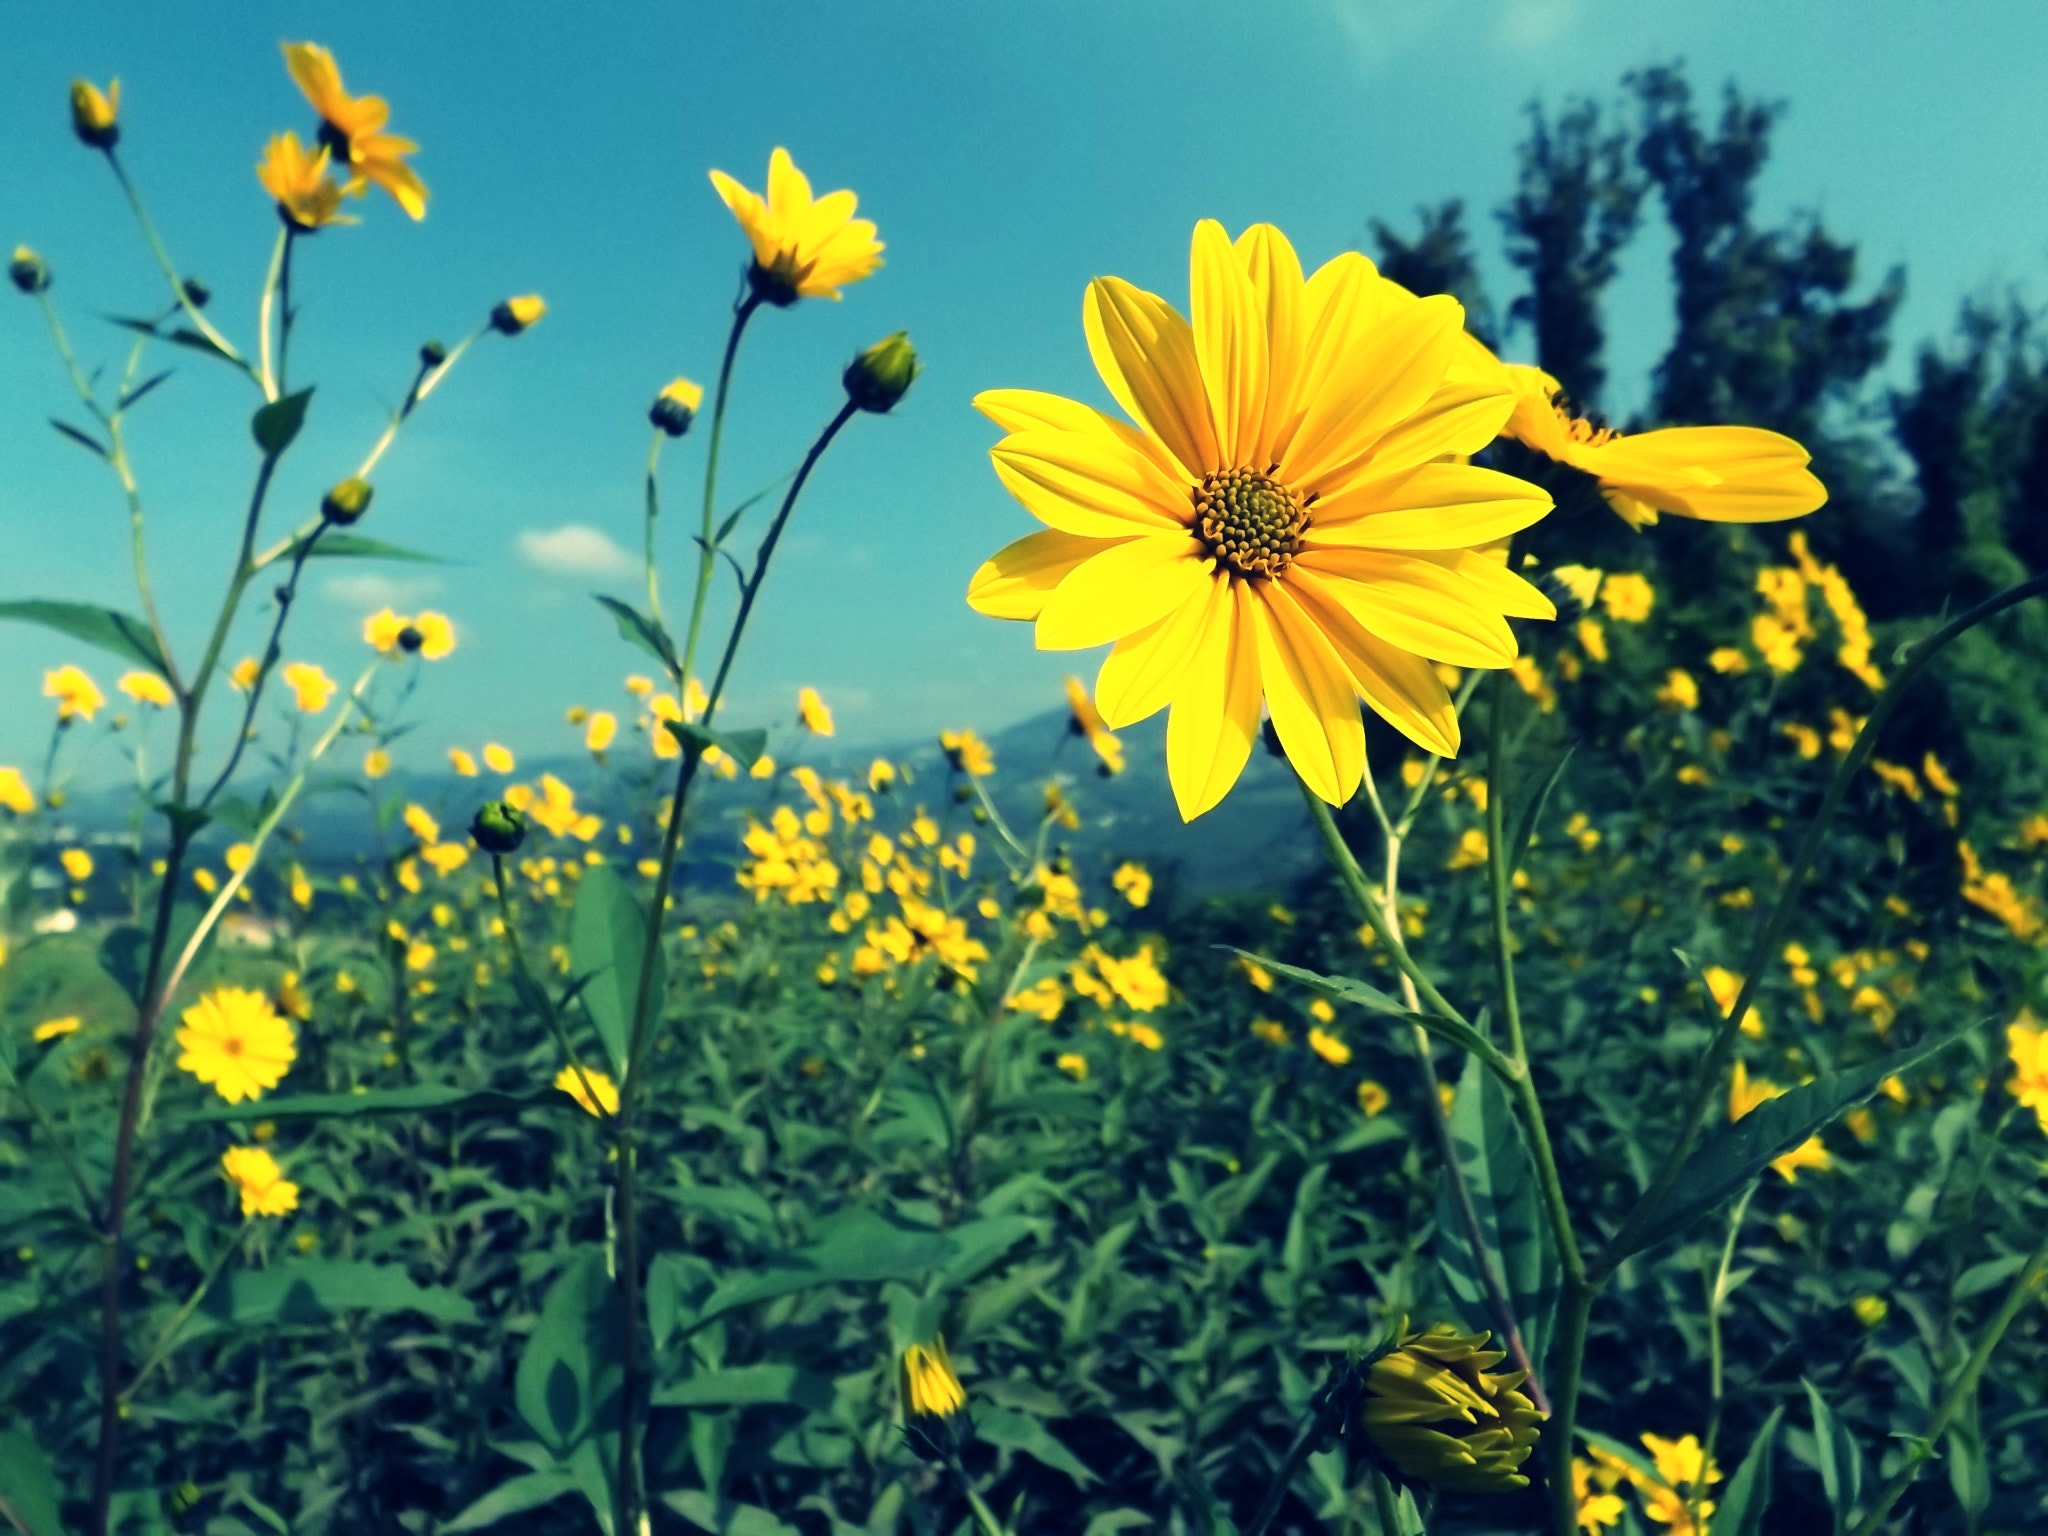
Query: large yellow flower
(804, 247)
(307, 197)
(1717, 474)
(234, 1039)
(1289, 522)
(353, 128)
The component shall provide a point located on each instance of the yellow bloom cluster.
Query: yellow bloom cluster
(1994, 891)
(787, 861)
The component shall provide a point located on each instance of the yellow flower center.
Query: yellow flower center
(1249, 520)
(231, 1046)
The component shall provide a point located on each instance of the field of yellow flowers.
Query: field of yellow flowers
(1609, 1096)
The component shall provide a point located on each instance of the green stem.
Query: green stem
(653, 516)
(163, 259)
(2028, 1281)
(169, 1337)
(265, 308)
(549, 1012)
(1771, 926)
(1717, 1301)
(707, 556)
(983, 1515)
(1574, 1314)
(56, 1141)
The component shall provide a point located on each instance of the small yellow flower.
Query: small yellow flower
(77, 864)
(1133, 882)
(600, 731)
(804, 247)
(56, 1029)
(238, 857)
(1727, 660)
(264, 1189)
(376, 763)
(437, 635)
(1628, 597)
(1870, 1310)
(244, 674)
(881, 774)
(15, 795)
(812, 713)
(1679, 690)
(968, 753)
(934, 1402)
(1435, 1408)
(1329, 1047)
(352, 128)
(1074, 1064)
(234, 1040)
(296, 177)
(600, 1098)
(311, 688)
(499, 759)
(146, 688)
(462, 762)
(2027, 1044)
(1272, 1031)
(1084, 719)
(1373, 1098)
(1598, 1508)
(1256, 974)
(675, 408)
(1726, 987)
(77, 696)
(421, 823)
(1145, 1035)
(96, 114)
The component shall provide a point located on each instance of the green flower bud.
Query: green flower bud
(31, 274)
(498, 828)
(882, 375)
(346, 502)
(433, 355)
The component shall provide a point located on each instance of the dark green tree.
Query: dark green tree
(1439, 260)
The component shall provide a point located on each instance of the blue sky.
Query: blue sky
(1009, 152)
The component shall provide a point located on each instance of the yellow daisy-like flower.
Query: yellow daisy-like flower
(1373, 1098)
(606, 1092)
(234, 1040)
(1288, 524)
(1717, 474)
(968, 753)
(264, 1189)
(1330, 1047)
(1744, 1095)
(146, 688)
(376, 763)
(15, 795)
(602, 728)
(813, 713)
(311, 688)
(1133, 882)
(242, 676)
(804, 247)
(429, 635)
(499, 759)
(1084, 719)
(2027, 1044)
(352, 129)
(77, 864)
(78, 696)
(1436, 1408)
(307, 197)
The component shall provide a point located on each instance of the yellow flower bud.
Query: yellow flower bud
(676, 406)
(518, 314)
(1438, 1412)
(95, 116)
(347, 501)
(935, 1420)
(882, 375)
(29, 272)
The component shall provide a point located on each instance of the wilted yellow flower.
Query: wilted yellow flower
(352, 127)
(56, 1029)
(77, 864)
(234, 1040)
(1745, 1095)
(1720, 474)
(96, 114)
(296, 177)
(15, 795)
(1438, 1411)
(604, 1090)
(310, 686)
(146, 688)
(77, 696)
(803, 247)
(812, 713)
(264, 1189)
(1288, 526)
(603, 727)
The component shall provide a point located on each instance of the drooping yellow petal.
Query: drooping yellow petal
(1089, 483)
(1121, 590)
(1309, 693)
(1017, 581)
(1436, 506)
(1401, 687)
(1275, 273)
(1215, 714)
(1230, 343)
(1145, 353)
(1720, 474)
(1535, 420)
(1415, 603)
(1383, 372)
(1139, 677)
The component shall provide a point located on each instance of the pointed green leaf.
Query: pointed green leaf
(529, 1490)
(83, 438)
(1841, 1459)
(744, 747)
(351, 546)
(739, 1385)
(108, 628)
(144, 388)
(1724, 1163)
(28, 1488)
(1748, 1494)
(313, 1292)
(419, 1099)
(638, 629)
(607, 940)
(569, 1368)
(1530, 811)
(277, 423)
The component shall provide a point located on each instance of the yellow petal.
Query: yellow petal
(1386, 367)
(1535, 420)
(1121, 590)
(1500, 587)
(1308, 691)
(1415, 603)
(1402, 688)
(1090, 484)
(1722, 474)
(1026, 410)
(1017, 581)
(1437, 506)
(1230, 342)
(1462, 416)
(1139, 677)
(1145, 353)
(789, 191)
(1275, 272)
(1215, 715)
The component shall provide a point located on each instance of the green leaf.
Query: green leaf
(29, 1497)
(108, 628)
(420, 1098)
(723, 1517)
(1349, 990)
(1725, 1163)
(84, 439)
(607, 941)
(527, 1491)
(741, 1385)
(569, 1369)
(1500, 1177)
(313, 1292)
(1022, 1432)
(353, 546)
(1523, 827)
(277, 423)
(856, 1247)
(130, 397)
(1748, 1494)
(636, 628)
(744, 747)
(1969, 1477)
(1841, 1461)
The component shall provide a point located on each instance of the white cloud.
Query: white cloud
(574, 549)
(368, 589)
(1531, 24)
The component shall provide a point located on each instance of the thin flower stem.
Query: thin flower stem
(1771, 926)
(266, 374)
(55, 1139)
(1921, 1448)
(163, 259)
(653, 516)
(706, 555)
(272, 652)
(1717, 1301)
(169, 1337)
(549, 1012)
(983, 1515)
